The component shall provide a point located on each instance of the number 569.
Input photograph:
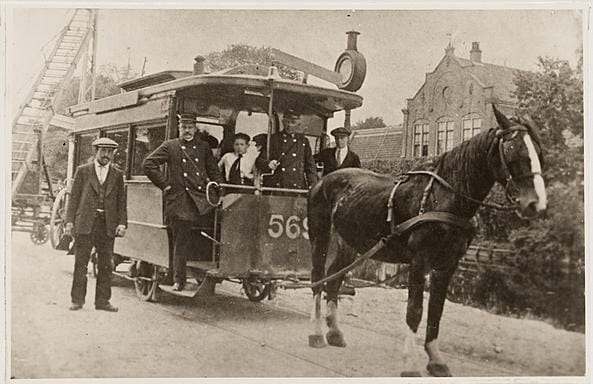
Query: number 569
(293, 227)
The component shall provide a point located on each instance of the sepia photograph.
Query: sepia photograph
(203, 191)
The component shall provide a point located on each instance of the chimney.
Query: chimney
(198, 65)
(352, 37)
(475, 54)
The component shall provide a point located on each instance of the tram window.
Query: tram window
(146, 140)
(85, 147)
(251, 123)
(120, 155)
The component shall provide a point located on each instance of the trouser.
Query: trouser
(182, 232)
(104, 247)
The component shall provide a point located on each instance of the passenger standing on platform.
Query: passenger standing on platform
(340, 156)
(191, 166)
(97, 213)
(291, 159)
(238, 165)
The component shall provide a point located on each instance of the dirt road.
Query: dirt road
(226, 335)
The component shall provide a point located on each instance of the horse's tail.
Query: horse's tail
(320, 222)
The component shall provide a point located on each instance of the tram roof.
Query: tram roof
(235, 91)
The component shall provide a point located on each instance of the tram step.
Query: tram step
(190, 289)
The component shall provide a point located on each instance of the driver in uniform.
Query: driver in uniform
(291, 159)
(191, 165)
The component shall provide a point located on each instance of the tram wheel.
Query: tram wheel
(146, 284)
(40, 234)
(256, 290)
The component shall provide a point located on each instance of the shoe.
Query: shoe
(178, 287)
(106, 307)
(75, 307)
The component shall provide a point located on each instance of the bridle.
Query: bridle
(510, 181)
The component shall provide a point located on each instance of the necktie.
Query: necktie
(235, 172)
(338, 157)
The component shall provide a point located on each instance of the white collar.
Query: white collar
(97, 164)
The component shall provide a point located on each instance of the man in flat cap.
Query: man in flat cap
(97, 213)
(340, 156)
(291, 159)
(190, 166)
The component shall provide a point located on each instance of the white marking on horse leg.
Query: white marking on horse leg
(410, 352)
(434, 352)
(316, 314)
(536, 169)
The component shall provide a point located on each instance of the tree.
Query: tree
(370, 122)
(551, 249)
(553, 97)
(106, 80)
(242, 54)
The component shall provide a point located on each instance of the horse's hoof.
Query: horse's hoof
(410, 374)
(438, 370)
(335, 338)
(316, 341)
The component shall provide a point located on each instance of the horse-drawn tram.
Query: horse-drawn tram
(258, 235)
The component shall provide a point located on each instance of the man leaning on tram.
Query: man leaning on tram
(191, 166)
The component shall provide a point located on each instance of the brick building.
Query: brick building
(455, 103)
(372, 144)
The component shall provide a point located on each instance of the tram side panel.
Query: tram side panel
(146, 238)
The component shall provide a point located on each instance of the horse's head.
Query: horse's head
(519, 165)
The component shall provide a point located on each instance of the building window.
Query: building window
(420, 139)
(445, 136)
(471, 127)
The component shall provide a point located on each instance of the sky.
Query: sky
(400, 46)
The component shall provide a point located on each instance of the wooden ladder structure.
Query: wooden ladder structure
(34, 114)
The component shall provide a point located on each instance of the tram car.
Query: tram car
(259, 236)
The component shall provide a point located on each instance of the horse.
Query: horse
(351, 210)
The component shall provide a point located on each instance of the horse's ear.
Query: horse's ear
(503, 121)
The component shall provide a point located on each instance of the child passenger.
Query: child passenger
(238, 165)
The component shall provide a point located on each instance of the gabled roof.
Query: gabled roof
(501, 78)
(383, 143)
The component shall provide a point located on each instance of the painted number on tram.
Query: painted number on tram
(292, 227)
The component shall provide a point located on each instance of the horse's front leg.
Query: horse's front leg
(439, 283)
(413, 316)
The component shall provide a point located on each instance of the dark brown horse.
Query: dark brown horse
(349, 209)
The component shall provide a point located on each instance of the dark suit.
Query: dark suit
(94, 228)
(328, 158)
(190, 166)
(297, 167)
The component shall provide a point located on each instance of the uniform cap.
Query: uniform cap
(341, 131)
(187, 116)
(105, 142)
